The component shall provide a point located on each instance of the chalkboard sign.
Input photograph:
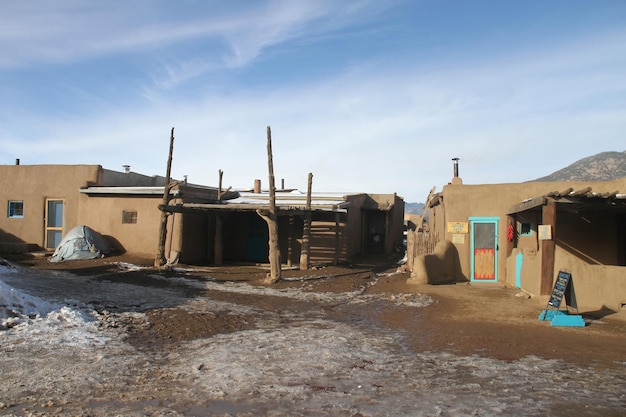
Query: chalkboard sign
(560, 286)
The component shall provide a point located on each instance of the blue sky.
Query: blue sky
(368, 95)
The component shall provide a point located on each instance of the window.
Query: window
(16, 209)
(526, 229)
(129, 217)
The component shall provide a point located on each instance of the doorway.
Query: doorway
(375, 226)
(484, 250)
(53, 223)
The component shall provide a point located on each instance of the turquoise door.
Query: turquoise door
(484, 249)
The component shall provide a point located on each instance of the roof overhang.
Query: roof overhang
(231, 206)
(570, 200)
(120, 191)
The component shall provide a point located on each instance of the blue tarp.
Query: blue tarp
(82, 242)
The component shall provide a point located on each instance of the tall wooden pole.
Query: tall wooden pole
(306, 229)
(271, 219)
(160, 260)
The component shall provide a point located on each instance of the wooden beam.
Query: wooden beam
(159, 260)
(337, 240)
(582, 192)
(218, 253)
(306, 229)
(272, 224)
(290, 240)
(528, 204)
(548, 249)
(565, 193)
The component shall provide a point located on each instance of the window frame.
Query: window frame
(129, 216)
(530, 229)
(11, 209)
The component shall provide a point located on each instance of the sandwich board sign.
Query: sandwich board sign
(561, 285)
(562, 288)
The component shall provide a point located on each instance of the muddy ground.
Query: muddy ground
(351, 340)
(465, 319)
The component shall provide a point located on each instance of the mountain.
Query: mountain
(604, 166)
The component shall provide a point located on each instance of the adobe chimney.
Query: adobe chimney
(257, 186)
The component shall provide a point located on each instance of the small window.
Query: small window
(16, 209)
(526, 229)
(129, 217)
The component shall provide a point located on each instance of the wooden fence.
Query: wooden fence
(419, 243)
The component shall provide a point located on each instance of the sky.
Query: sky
(367, 95)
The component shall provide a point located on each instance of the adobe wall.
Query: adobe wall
(391, 204)
(595, 286)
(104, 215)
(354, 225)
(396, 225)
(33, 184)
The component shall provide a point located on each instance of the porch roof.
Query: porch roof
(292, 202)
(580, 200)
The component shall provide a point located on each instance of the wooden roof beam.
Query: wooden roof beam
(584, 192)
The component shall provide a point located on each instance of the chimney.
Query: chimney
(126, 168)
(185, 177)
(257, 186)
(456, 179)
(17, 161)
(282, 184)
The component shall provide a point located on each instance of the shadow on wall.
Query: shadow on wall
(116, 246)
(440, 267)
(11, 244)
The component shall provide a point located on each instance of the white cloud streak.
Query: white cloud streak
(517, 116)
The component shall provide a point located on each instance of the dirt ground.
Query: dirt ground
(465, 319)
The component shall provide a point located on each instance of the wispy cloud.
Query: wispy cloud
(369, 124)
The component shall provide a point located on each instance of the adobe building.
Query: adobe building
(522, 235)
(45, 201)
(343, 227)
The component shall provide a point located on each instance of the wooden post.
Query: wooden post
(306, 229)
(160, 260)
(548, 248)
(290, 241)
(270, 218)
(337, 240)
(219, 249)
